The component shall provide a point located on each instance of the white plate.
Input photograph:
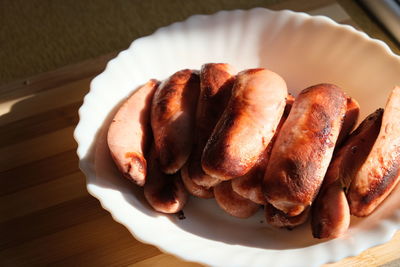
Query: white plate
(304, 50)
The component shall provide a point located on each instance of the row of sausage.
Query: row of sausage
(242, 139)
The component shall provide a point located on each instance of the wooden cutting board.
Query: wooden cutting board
(46, 215)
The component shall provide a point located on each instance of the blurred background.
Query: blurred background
(41, 35)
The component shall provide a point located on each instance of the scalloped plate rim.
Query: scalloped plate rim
(84, 165)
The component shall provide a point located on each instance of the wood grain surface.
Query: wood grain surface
(46, 215)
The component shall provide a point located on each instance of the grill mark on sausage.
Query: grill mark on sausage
(168, 194)
(361, 139)
(380, 186)
(250, 185)
(172, 118)
(163, 98)
(247, 124)
(225, 163)
(379, 174)
(319, 122)
(307, 138)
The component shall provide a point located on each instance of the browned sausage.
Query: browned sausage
(330, 210)
(130, 132)
(165, 193)
(233, 203)
(379, 174)
(172, 119)
(279, 219)
(331, 215)
(250, 185)
(303, 148)
(350, 119)
(247, 124)
(216, 81)
(195, 189)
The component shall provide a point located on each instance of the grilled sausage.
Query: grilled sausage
(379, 174)
(330, 213)
(130, 132)
(350, 119)
(216, 81)
(330, 210)
(165, 193)
(247, 124)
(172, 119)
(250, 185)
(233, 203)
(279, 219)
(303, 148)
(195, 189)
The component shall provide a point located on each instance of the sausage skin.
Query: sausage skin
(303, 148)
(250, 185)
(129, 133)
(279, 219)
(350, 120)
(172, 119)
(164, 192)
(379, 174)
(233, 203)
(247, 124)
(216, 81)
(195, 189)
(330, 210)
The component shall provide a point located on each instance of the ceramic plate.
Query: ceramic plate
(305, 51)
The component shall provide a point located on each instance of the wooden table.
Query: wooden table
(46, 215)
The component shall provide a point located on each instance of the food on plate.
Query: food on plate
(193, 188)
(233, 203)
(250, 185)
(350, 119)
(243, 140)
(216, 81)
(379, 174)
(247, 125)
(330, 210)
(303, 148)
(278, 218)
(172, 118)
(164, 192)
(129, 133)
